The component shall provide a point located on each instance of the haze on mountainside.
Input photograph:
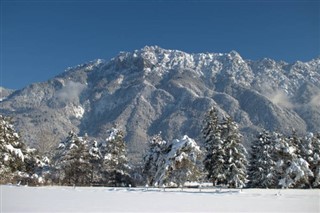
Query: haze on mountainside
(155, 89)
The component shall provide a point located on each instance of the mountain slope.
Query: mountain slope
(154, 89)
(4, 93)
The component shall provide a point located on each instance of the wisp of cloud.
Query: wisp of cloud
(280, 98)
(70, 92)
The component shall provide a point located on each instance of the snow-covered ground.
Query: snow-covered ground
(99, 199)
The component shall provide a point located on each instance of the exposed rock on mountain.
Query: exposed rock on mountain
(154, 89)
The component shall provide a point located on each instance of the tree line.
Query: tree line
(274, 160)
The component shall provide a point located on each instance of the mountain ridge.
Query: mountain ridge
(154, 89)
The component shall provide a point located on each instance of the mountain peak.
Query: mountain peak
(234, 53)
(151, 48)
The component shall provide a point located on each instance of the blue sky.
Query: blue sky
(40, 39)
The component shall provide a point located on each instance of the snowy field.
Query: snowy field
(94, 199)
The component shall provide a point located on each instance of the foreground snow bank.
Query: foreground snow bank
(90, 199)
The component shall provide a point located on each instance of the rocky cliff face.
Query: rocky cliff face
(153, 89)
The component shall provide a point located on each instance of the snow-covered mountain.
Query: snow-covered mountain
(4, 93)
(154, 89)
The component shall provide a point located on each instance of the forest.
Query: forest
(274, 160)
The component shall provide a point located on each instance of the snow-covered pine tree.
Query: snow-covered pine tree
(225, 160)
(213, 160)
(38, 168)
(180, 163)
(18, 163)
(12, 151)
(115, 163)
(73, 159)
(291, 169)
(95, 159)
(315, 162)
(45, 170)
(235, 155)
(283, 157)
(262, 165)
(297, 143)
(304, 174)
(58, 173)
(156, 147)
(311, 152)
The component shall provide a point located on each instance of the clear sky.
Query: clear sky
(40, 39)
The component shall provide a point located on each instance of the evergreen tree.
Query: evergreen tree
(315, 162)
(179, 164)
(225, 160)
(154, 155)
(17, 161)
(95, 158)
(213, 161)
(235, 155)
(73, 159)
(11, 151)
(115, 163)
(300, 162)
(297, 142)
(38, 168)
(311, 152)
(262, 163)
(291, 169)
